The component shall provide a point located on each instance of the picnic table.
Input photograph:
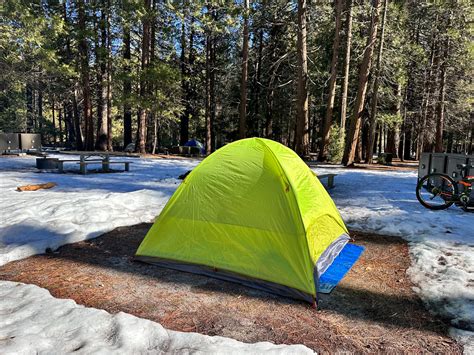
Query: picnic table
(93, 158)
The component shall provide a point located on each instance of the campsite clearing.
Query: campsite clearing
(441, 245)
(373, 309)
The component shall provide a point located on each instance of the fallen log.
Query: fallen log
(47, 185)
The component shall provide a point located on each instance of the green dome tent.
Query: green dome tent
(252, 212)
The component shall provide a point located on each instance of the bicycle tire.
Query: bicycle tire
(419, 186)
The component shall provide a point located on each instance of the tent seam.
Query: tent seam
(297, 205)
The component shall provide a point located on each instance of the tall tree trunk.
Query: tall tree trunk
(127, 88)
(212, 89)
(60, 121)
(101, 136)
(243, 83)
(86, 90)
(470, 149)
(441, 102)
(185, 87)
(373, 113)
(402, 135)
(71, 112)
(40, 114)
(109, 81)
(327, 123)
(302, 124)
(53, 111)
(155, 134)
(274, 32)
(142, 118)
(35, 111)
(257, 124)
(209, 122)
(77, 121)
(347, 63)
(353, 134)
(68, 123)
(428, 91)
(192, 93)
(393, 134)
(449, 148)
(408, 141)
(151, 117)
(29, 109)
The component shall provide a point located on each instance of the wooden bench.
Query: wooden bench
(330, 178)
(105, 165)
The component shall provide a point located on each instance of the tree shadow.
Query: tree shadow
(159, 175)
(115, 252)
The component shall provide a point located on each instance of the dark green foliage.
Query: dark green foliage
(40, 66)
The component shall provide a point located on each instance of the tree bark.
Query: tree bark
(243, 83)
(40, 114)
(127, 88)
(86, 90)
(302, 129)
(470, 149)
(29, 109)
(347, 63)
(393, 134)
(257, 126)
(71, 112)
(186, 78)
(53, 111)
(327, 122)
(145, 58)
(61, 114)
(184, 121)
(209, 122)
(428, 92)
(212, 92)
(68, 124)
(441, 103)
(274, 33)
(373, 113)
(101, 136)
(109, 80)
(353, 135)
(77, 121)
(151, 89)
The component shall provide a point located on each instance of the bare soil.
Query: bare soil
(373, 309)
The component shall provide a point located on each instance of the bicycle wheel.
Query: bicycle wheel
(436, 191)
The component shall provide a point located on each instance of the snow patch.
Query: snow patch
(441, 242)
(383, 202)
(79, 207)
(33, 320)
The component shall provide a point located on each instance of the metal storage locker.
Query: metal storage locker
(30, 141)
(470, 161)
(452, 165)
(424, 167)
(438, 163)
(9, 141)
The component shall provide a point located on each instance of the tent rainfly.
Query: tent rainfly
(253, 213)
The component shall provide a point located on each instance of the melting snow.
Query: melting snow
(383, 202)
(33, 321)
(441, 242)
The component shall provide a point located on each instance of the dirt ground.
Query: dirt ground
(372, 310)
